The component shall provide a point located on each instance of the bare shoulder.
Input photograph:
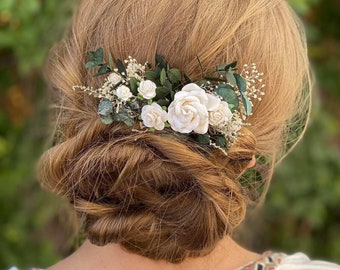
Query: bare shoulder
(67, 263)
(60, 265)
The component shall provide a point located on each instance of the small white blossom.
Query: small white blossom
(147, 89)
(221, 115)
(114, 78)
(123, 92)
(154, 116)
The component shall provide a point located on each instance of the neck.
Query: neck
(227, 256)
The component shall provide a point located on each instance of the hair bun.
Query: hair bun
(149, 193)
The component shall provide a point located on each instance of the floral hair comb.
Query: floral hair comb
(210, 111)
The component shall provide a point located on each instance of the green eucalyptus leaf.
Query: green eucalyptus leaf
(231, 78)
(222, 72)
(104, 69)
(151, 75)
(221, 69)
(203, 138)
(129, 122)
(105, 112)
(121, 67)
(161, 92)
(172, 94)
(231, 65)
(174, 75)
(96, 58)
(220, 141)
(240, 82)
(246, 104)
(96, 55)
(163, 76)
(224, 68)
(160, 62)
(201, 83)
(134, 105)
(163, 102)
(91, 64)
(228, 94)
(158, 71)
(123, 116)
(134, 85)
(168, 84)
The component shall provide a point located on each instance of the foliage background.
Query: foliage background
(302, 209)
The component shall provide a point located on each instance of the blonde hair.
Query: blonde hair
(156, 194)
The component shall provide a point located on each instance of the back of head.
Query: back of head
(157, 194)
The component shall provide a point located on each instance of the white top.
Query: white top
(300, 261)
(280, 261)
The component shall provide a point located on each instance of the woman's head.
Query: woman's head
(157, 194)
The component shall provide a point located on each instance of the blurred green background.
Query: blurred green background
(302, 211)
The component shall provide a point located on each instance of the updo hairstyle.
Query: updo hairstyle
(155, 193)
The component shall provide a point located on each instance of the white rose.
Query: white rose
(147, 89)
(123, 92)
(188, 114)
(114, 78)
(211, 102)
(154, 116)
(220, 116)
(189, 109)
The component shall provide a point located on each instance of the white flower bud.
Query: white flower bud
(154, 116)
(123, 92)
(221, 115)
(114, 78)
(147, 89)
